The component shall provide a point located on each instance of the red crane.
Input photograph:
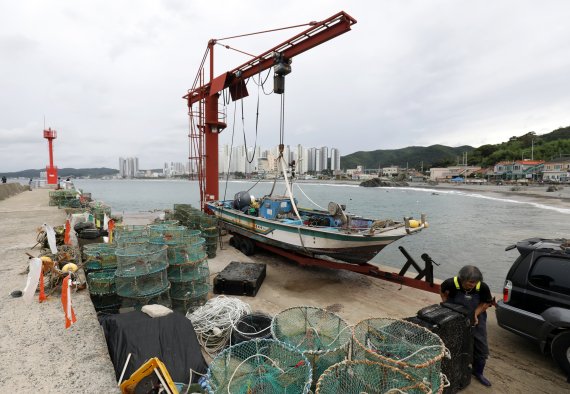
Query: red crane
(51, 170)
(206, 122)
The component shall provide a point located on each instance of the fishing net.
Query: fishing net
(414, 349)
(254, 325)
(161, 297)
(101, 282)
(321, 335)
(259, 366)
(141, 259)
(363, 376)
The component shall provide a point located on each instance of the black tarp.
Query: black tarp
(171, 338)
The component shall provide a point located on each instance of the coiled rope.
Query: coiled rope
(213, 322)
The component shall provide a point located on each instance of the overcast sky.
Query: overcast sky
(109, 75)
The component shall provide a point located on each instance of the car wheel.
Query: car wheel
(560, 349)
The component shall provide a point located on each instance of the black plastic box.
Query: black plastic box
(240, 279)
(453, 325)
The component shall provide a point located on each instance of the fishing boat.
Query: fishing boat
(326, 234)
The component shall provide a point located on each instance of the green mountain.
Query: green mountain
(530, 145)
(65, 172)
(412, 156)
(527, 146)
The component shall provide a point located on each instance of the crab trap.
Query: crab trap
(143, 259)
(101, 282)
(259, 366)
(161, 297)
(321, 335)
(363, 376)
(414, 349)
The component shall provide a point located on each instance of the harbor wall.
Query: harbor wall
(11, 189)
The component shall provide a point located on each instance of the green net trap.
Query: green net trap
(259, 366)
(161, 297)
(185, 250)
(321, 335)
(141, 259)
(192, 271)
(412, 348)
(186, 290)
(363, 376)
(63, 198)
(141, 285)
(190, 304)
(100, 256)
(101, 282)
(133, 230)
(166, 232)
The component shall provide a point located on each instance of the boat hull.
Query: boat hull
(353, 248)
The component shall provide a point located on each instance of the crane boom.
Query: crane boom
(204, 132)
(315, 35)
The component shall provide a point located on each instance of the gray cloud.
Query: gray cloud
(109, 76)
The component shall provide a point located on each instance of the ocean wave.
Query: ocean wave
(488, 197)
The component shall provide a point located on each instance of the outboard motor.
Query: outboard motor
(242, 200)
(337, 211)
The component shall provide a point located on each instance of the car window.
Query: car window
(551, 273)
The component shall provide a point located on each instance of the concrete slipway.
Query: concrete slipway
(39, 355)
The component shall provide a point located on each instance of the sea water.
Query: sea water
(465, 227)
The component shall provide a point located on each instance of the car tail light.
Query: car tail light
(507, 291)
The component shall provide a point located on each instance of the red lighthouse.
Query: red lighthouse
(51, 171)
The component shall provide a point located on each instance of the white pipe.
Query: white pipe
(289, 188)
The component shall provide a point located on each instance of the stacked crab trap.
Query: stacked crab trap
(100, 264)
(141, 276)
(188, 271)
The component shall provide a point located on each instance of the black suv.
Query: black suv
(536, 296)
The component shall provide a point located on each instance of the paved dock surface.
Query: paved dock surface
(515, 365)
(37, 353)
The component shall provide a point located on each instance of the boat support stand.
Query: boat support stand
(371, 270)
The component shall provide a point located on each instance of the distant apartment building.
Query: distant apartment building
(237, 159)
(128, 167)
(335, 159)
(174, 169)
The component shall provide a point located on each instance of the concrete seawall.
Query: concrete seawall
(38, 354)
(11, 189)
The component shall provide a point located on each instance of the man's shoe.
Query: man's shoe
(483, 380)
